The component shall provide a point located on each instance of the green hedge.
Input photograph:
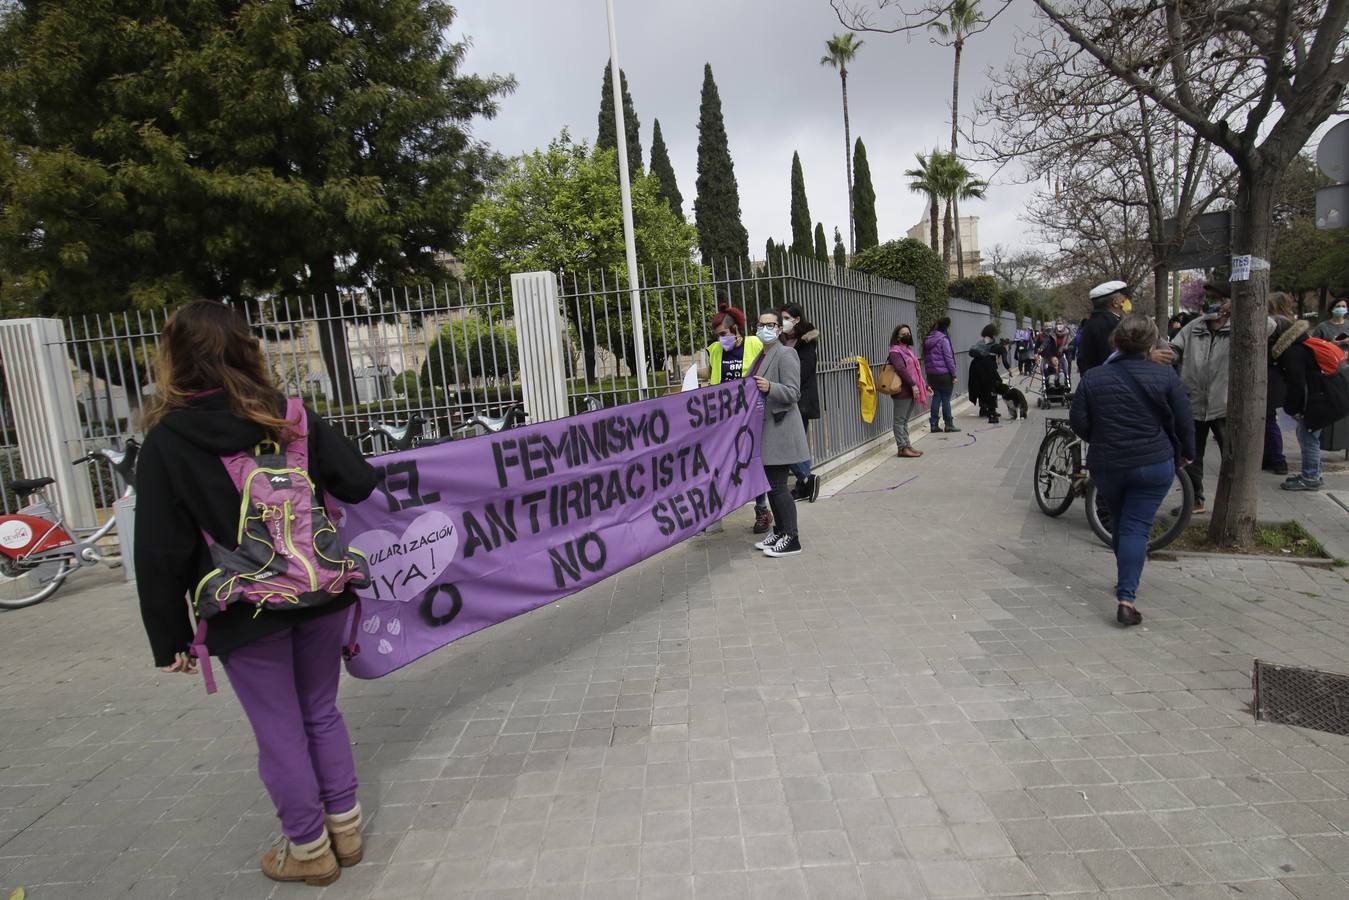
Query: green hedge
(911, 262)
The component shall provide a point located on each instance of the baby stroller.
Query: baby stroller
(1056, 387)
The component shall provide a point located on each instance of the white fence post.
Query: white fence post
(538, 333)
(42, 396)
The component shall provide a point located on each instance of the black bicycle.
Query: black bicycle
(1061, 477)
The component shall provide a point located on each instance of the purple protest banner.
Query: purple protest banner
(466, 534)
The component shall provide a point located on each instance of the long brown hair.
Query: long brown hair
(207, 346)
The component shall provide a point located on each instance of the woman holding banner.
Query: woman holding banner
(728, 359)
(778, 377)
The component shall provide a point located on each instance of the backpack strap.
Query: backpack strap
(353, 649)
(297, 449)
(202, 655)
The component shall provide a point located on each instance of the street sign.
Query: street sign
(1332, 206)
(1332, 154)
(1208, 243)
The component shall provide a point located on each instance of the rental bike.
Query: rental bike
(37, 551)
(1061, 477)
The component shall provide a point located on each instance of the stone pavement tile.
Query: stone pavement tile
(778, 884)
(1323, 887)
(1060, 873)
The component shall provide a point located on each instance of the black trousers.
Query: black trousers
(1217, 428)
(780, 499)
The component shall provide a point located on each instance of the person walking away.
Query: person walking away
(1336, 328)
(1313, 398)
(729, 358)
(1025, 356)
(939, 364)
(984, 357)
(1048, 351)
(1110, 302)
(1135, 417)
(804, 338)
(215, 406)
(1273, 459)
(913, 391)
(778, 378)
(1203, 348)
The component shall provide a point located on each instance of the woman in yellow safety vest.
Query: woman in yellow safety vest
(730, 357)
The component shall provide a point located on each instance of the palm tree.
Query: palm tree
(842, 48)
(962, 18)
(930, 179)
(957, 183)
(925, 180)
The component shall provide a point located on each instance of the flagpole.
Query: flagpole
(625, 188)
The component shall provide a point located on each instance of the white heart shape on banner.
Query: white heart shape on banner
(385, 648)
(402, 568)
(370, 625)
(394, 627)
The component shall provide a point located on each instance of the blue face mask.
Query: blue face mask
(767, 333)
(1340, 311)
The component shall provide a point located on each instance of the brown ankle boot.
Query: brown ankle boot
(313, 863)
(345, 830)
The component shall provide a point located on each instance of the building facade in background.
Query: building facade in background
(969, 242)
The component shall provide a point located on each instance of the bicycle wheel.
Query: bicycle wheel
(1054, 473)
(24, 587)
(1173, 516)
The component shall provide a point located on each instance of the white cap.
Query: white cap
(1106, 289)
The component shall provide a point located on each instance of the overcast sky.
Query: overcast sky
(775, 96)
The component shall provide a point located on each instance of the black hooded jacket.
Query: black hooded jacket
(182, 489)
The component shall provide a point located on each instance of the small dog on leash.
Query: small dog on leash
(1017, 407)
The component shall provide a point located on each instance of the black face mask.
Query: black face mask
(906, 339)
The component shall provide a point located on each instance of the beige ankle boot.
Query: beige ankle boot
(345, 829)
(313, 863)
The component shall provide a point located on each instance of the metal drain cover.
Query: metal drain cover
(1308, 698)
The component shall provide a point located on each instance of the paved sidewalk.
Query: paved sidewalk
(932, 701)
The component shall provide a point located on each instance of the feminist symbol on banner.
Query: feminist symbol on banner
(744, 453)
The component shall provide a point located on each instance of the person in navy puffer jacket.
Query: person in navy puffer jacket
(1136, 417)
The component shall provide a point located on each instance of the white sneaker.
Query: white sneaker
(768, 540)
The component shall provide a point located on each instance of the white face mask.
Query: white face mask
(788, 325)
(767, 333)
(1340, 311)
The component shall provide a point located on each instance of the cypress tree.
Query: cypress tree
(840, 251)
(721, 235)
(608, 136)
(864, 200)
(821, 245)
(801, 239)
(667, 188)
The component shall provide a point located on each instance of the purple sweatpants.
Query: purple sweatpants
(287, 683)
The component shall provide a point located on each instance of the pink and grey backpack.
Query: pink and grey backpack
(288, 554)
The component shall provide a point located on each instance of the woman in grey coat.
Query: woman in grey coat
(778, 376)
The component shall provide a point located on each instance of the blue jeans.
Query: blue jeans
(941, 404)
(1133, 497)
(1310, 442)
(802, 469)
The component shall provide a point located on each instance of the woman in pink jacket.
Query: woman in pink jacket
(914, 391)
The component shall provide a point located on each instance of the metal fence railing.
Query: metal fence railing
(854, 312)
(446, 354)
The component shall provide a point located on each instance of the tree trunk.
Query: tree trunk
(1159, 292)
(934, 214)
(955, 133)
(1235, 501)
(960, 243)
(955, 96)
(847, 160)
(946, 234)
(332, 329)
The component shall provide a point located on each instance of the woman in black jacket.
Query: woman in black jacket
(1310, 396)
(1136, 418)
(804, 338)
(213, 399)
